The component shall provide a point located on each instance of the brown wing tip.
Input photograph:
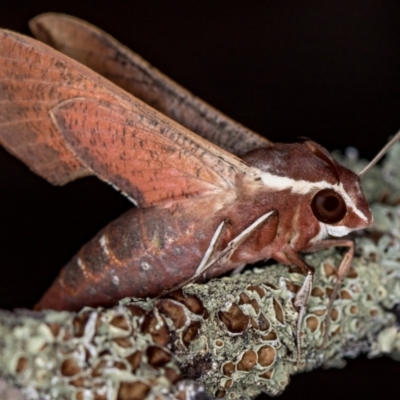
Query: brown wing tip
(50, 19)
(43, 25)
(40, 29)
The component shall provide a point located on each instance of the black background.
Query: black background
(323, 69)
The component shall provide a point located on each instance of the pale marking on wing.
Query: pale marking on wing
(301, 186)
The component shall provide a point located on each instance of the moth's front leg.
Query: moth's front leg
(303, 295)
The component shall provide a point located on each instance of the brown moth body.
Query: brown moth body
(131, 253)
(65, 121)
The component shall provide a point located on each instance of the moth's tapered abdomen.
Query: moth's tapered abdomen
(128, 258)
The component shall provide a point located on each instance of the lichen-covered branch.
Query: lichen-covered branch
(233, 336)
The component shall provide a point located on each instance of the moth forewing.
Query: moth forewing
(19, 105)
(99, 51)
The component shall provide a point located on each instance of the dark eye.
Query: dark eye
(328, 206)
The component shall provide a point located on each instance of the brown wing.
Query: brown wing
(64, 121)
(102, 53)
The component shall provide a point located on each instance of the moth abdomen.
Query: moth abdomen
(127, 258)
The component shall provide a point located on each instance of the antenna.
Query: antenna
(384, 150)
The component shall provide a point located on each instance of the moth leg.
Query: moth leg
(212, 248)
(209, 261)
(238, 270)
(233, 245)
(341, 274)
(303, 295)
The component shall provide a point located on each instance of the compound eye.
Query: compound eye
(328, 206)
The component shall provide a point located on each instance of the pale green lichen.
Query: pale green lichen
(358, 317)
(95, 354)
(234, 336)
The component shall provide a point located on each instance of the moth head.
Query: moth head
(340, 207)
(310, 178)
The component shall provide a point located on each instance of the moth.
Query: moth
(212, 196)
